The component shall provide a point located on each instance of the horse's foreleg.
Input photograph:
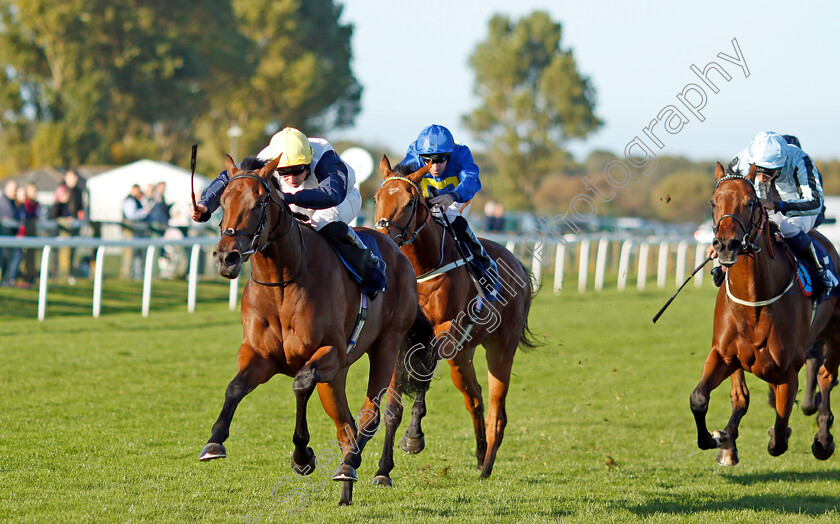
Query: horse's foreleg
(393, 417)
(463, 376)
(785, 397)
(740, 397)
(253, 371)
(823, 446)
(321, 367)
(715, 371)
(810, 398)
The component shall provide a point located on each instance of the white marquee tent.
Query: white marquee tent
(108, 190)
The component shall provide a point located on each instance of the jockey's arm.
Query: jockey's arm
(810, 199)
(331, 174)
(210, 198)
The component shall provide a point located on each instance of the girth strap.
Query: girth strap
(361, 318)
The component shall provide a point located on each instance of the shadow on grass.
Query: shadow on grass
(775, 502)
(784, 476)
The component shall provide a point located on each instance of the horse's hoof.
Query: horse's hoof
(308, 467)
(411, 445)
(774, 447)
(727, 457)
(346, 472)
(721, 438)
(382, 480)
(212, 451)
(821, 452)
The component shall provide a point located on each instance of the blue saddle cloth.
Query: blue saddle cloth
(809, 282)
(376, 281)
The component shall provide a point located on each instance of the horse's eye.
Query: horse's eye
(712, 203)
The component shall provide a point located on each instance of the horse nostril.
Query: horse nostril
(717, 244)
(734, 244)
(233, 258)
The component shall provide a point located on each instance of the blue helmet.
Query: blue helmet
(435, 139)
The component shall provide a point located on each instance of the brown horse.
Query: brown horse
(760, 326)
(299, 309)
(449, 298)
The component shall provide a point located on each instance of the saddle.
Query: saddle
(807, 281)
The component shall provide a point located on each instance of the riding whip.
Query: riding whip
(698, 268)
(192, 173)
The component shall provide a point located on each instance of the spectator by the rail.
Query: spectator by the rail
(10, 214)
(31, 210)
(159, 215)
(135, 214)
(67, 211)
(494, 220)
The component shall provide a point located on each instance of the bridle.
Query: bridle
(416, 202)
(755, 226)
(258, 233)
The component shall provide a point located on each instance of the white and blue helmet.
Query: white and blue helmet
(769, 150)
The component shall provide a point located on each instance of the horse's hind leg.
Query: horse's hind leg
(414, 440)
(499, 365)
(811, 398)
(714, 372)
(463, 376)
(740, 397)
(823, 446)
(253, 371)
(393, 417)
(785, 397)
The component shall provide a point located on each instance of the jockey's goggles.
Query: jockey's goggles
(768, 172)
(292, 170)
(437, 158)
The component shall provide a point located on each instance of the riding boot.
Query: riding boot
(487, 265)
(827, 277)
(359, 256)
(803, 246)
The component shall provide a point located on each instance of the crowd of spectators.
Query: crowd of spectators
(145, 213)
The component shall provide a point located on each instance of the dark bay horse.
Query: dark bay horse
(760, 325)
(449, 298)
(299, 309)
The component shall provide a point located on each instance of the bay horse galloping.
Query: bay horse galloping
(762, 323)
(462, 319)
(299, 308)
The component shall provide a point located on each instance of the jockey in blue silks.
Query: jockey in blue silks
(790, 188)
(315, 182)
(452, 182)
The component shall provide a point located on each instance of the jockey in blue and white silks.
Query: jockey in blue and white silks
(315, 182)
(790, 188)
(451, 184)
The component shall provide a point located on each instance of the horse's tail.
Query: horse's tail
(417, 357)
(527, 340)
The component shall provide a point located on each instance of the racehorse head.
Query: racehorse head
(737, 214)
(398, 200)
(248, 217)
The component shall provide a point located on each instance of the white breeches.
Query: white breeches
(345, 212)
(790, 226)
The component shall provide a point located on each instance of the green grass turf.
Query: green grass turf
(103, 419)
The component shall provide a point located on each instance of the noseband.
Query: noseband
(255, 237)
(386, 224)
(751, 232)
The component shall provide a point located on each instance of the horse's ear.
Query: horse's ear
(230, 165)
(385, 167)
(720, 172)
(417, 176)
(751, 174)
(269, 168)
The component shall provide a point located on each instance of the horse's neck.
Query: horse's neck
(759, 276)
(282, 258)
(425, 252)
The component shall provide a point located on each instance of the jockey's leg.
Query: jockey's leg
(794, 231)
(488, 265)
(359, 256)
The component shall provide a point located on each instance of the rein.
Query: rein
(255, 238)
(748, 245)
(385, 224)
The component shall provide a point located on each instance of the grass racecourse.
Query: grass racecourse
(103, 419)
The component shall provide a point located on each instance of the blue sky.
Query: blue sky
(638, 56)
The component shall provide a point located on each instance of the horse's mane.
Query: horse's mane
(403, 170)
(252, 163)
